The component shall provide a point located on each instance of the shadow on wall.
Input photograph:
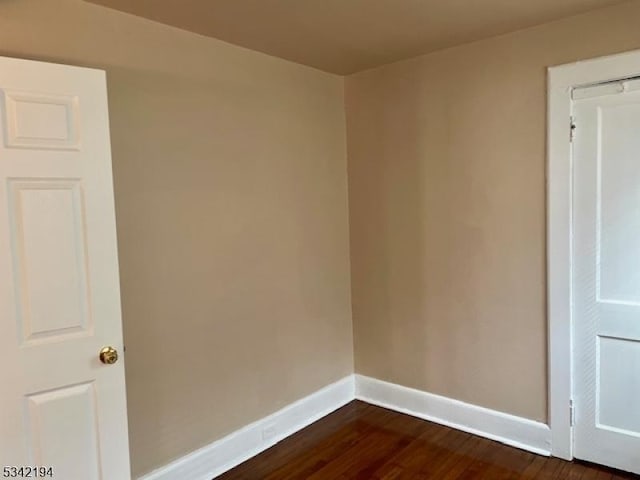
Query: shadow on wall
(410, 247)
(232, 241)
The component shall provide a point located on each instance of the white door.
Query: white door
(60, 406)
(606, 274)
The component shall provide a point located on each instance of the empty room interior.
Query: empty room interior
(340, 239)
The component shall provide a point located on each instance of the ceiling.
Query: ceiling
(346, 36)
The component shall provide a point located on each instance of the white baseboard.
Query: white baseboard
(224, 454)
(237, 447)
(508, 429)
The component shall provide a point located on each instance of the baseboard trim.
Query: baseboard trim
(239, 446)
(508, 429)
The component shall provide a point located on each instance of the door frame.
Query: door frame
(561, 80)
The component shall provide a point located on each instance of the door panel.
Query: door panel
(41, 121)
(72, 410)
(59, 287)
(618, 199)
(616, 389)
(49, 250)
(606, 279)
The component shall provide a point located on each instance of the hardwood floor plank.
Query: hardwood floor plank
(365, 442)
(364, 458)
(533, 469)
(455, 461)
(430, 444)
(331, 447)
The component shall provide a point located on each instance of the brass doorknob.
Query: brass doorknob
(108, 355)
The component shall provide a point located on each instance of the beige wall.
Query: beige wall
(231, 196)
(447, 207)
(232, 214)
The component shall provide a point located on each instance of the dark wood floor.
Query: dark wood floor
(361, 441)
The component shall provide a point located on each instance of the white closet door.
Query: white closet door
(606, 275)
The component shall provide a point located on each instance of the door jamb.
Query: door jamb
(561, 82)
